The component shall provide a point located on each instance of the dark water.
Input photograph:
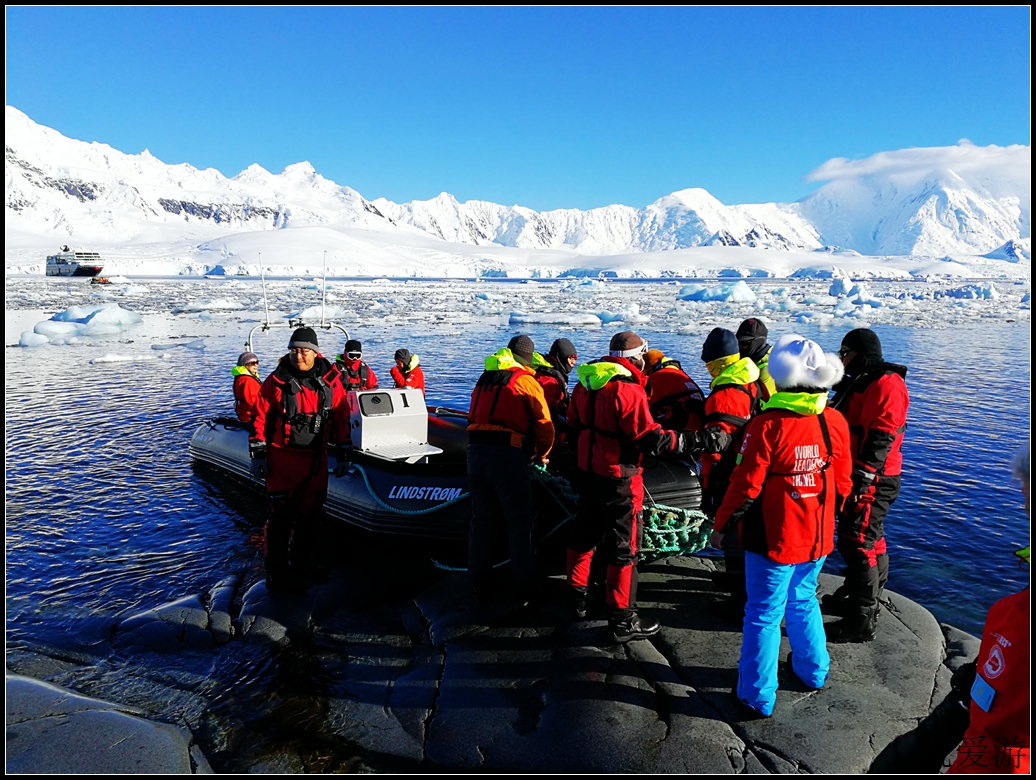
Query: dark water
(105, 513)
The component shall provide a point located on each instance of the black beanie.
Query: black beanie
(522, 348)
(865, 343)
(718, 344)
(304, 338)
(562, 349)
(751, 337)
(352, 345)
(402, 354)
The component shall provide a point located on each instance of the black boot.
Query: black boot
(836, 603)
(579, 602)
(630, 626)
(731, 607)
(855, 628)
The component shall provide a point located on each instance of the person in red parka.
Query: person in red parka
(873, 398)
(408, 372)
(734, 396)
(677, 403)
(612, 425)
(302, 407)
(355, 374)
(552, 371)
(246, 386)
(793, 471)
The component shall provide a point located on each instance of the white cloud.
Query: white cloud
(1009, 163)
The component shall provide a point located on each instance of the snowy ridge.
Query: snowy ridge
(960, 210)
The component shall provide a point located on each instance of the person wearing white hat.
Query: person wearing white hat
(793, 471)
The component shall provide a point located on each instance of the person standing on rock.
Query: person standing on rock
(302, 407)
(611, 421)
(508, 426)
(794, 468)
(734, 396)
(873, 397)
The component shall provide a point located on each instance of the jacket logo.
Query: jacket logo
(995, 663)
(425, 493)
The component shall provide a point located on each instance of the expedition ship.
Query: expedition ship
(71, 263)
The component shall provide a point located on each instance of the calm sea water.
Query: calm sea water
(105, 513)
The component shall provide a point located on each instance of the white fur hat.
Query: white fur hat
(796, 361)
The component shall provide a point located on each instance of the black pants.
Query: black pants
(501, 497)
(294, 531)
(861, 543)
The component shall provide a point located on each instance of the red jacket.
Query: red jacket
(677, 402)
(789, 480)
(356, 375)
(412, 378)
(286, 418)
(246, 393)
(734, 397)
(875, 406)
(998, 737)
(555, 390)
(611, 420)
(507, 407)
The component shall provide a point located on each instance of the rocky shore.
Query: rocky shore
(370, 673)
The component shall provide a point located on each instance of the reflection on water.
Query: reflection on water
(105, 514)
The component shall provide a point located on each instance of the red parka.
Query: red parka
(998, 737)
(412, 378)
(793, 471)
(555, 386)
(875, 406)
(611, 420)
(677, 402)
(735, 395)
(286, 420)
(356, 375)
(246, 393)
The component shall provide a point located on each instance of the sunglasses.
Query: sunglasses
(843, 352)
(252, 363)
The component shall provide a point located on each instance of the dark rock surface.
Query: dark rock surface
(371, 671)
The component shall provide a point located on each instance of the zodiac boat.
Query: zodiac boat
(407, 473)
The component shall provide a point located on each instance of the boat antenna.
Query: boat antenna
(323, 290)
(266, 303)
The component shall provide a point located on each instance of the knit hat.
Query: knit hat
(795, 361)
(653, 358)
(247, 357)
(718, 344)
(751, 337)
(402, 354)
(522, 348)
(563, 349)
(864, 342)
(627, 344)
(352, 346)
(304, 338)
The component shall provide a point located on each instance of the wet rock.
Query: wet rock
(262, 618)
(51, 730)
(181, 623)
(221, 599)
(961, 647)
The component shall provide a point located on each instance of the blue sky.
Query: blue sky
(546, 108)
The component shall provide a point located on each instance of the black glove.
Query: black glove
(694, 443)
(863, 480)
(341, 453)
(256, 449)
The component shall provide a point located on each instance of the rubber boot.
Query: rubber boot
(836, 603)
(579, 597)
(628, 625)
(856, 628)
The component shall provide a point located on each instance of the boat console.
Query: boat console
(390, 424)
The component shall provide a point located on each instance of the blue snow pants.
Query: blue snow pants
(776, 591)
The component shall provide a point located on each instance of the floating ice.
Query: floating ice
(521, 318)
(30, 339)
(113, 357)
(739, 292)
(841, 284)
(972, 292)
(217, 304)
(195, 344)
(312, 314)
(66, 327)
(629, 314)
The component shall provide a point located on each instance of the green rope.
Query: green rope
(670, 531)
(376, 497)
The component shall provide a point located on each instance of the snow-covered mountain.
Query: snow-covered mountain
(934, 202)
